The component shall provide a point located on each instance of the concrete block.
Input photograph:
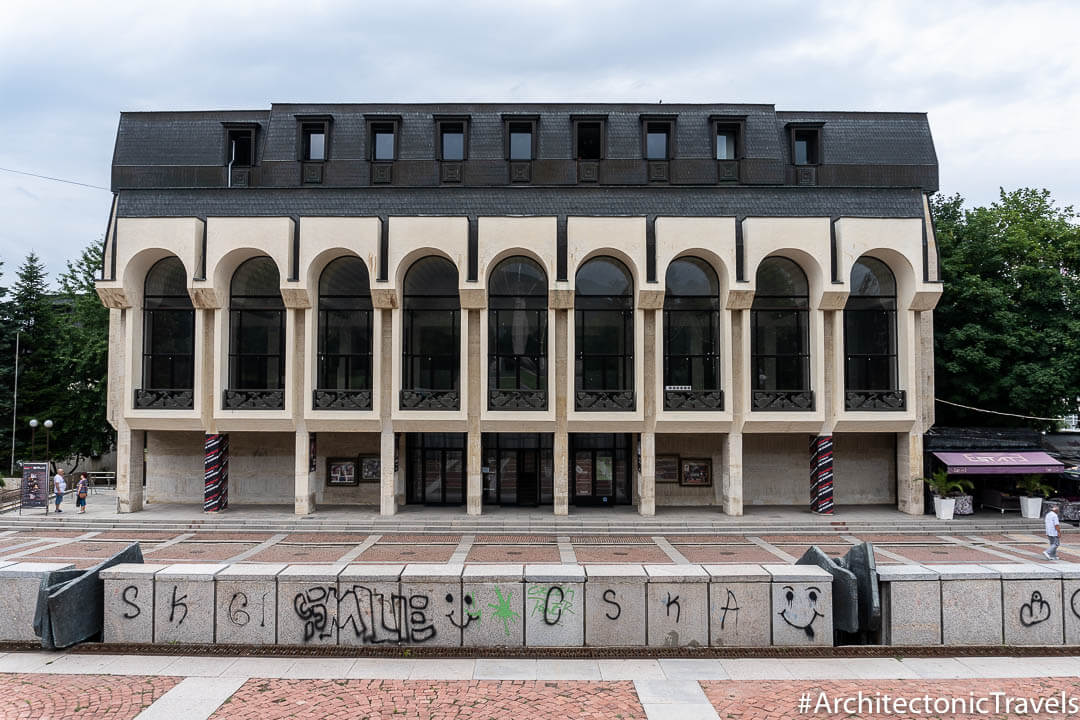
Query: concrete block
(677, 602)
(19, 585)
(1071, 598)
(910, 605)
(246, 606)
(432, 596)
(307, 605)
(971, 611)
(493, 598)
(615, 605)
(129, 603)
(371, 610)
(739, 606)
(184, 603)
(554, 605)
(801, 605)
(1032, 608)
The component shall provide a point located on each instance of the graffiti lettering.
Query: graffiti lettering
(731, 605)
(237, 614)
(376, 618)
(310, 606)
(611, 601)
(673, 602)
(134, 595)
(1074, 602)
(177, 603)
(1034, 611)
(549, 607)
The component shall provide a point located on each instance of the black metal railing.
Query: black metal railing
(254, 400)
(875, 400)
(605, 400)
(430, 399)
(784, 400)
(149, 398)
(517, 400)
(693, 399)
(341, 399)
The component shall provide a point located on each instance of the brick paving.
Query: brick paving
(63, 697)
(946, 554)
(138, 535)
(85, 549)
(326, 538)
(283, 553)
(430, 700)
(716, 539)
(420, 539)
(727, 554)
(757, 699)
(513, 554)
(516, 539)
(620, 554)
(198, 552)
(222, 536)
(823, 539)
(380, 552)
(611, 540)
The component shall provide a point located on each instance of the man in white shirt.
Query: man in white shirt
(59, 487)
(1053, 532)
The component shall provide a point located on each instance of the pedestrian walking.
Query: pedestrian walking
(1053, 532)
(59, 487)
(82, 490)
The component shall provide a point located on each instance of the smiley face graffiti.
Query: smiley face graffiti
(472, 612)
(801, 609)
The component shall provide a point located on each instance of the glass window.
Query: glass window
(806, 146)
(604, 326)
(590, 140)
(657, 141)
(517, 326)
(431, 348)
(521, 141)
(383, 141)
(256, 327)
(453, 141)
(725, 143)
(345, 336)
(779, 327)
(241, 148)
(691, 326)
(870, 327)
(314, 141)
(168, 328)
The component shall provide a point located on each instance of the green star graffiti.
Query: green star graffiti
(502, 608)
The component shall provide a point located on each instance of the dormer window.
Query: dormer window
(520, 140)
(383, 143)
(806, 145)
(240, 147)
(452, 141)
(314, 142)
(589, 139)
(726, 139)
(657, 140)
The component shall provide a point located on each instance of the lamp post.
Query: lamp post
(48, 426)
(33, 434)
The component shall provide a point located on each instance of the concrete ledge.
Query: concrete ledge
(19, 585)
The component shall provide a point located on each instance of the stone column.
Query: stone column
(387, 475)
(732, 476)
(129, 468)
(561, 442)
(216, 473)
(400, 476)
(647, 491)
(304, 473)
(909, 463)
(474, 461)
(821, 474)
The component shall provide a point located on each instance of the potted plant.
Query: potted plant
(946, 490)
(1032, 490)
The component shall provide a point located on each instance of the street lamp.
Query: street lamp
(48, 427)
(33, 433)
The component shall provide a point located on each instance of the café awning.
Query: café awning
(985, 462)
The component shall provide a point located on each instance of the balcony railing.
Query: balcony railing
(875, 400)
(517, 400)
(150, 398)
(430, 399)
(605, 400)
(693, 400)
(254, 400)
(341, 399)
(783, 400)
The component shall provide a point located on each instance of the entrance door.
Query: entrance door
(600, 469)
(519, 479)
(436, 468)
(518, 468)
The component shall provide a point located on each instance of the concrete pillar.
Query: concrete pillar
(475, 479)
(909, 483)
(561, 442)
(647, 490)
(561, 469)
(129, 468)
(304, 473)
(400, 478)
(731, 474)
(216, 472)
(387, 476)
(821, 474)
(474, 461)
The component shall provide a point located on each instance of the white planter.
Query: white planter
(943, 507)
(1031, 507)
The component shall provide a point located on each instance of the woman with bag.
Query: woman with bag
(81, 492)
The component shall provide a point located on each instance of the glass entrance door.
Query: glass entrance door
(436, 468)
(518, 469)
(600, 469)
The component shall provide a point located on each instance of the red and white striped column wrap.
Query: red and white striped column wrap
(216, 473)
(821, 474)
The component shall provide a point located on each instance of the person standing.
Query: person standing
(82, 490)
(1053, 532)
(59, 487)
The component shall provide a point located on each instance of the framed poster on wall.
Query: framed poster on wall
(667, 469)
(341, 472)
(696, 472)
(370, 468)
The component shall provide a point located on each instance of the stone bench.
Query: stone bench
(129, 603)
(910, 605)
(801, 605)
(740, 606)
(19, 585)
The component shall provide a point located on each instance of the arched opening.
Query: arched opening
(344, 365)
(168, 341)
(692, 336)
(256, 337)
(780, 337)
(517, 336)
(431, 348)
(870, 338)
(604, 336)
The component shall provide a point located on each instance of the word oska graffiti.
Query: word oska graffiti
(551, 602)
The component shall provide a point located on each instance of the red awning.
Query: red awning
(982, 462)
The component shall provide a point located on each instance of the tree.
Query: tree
(1007, 328)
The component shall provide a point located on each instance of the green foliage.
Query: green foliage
(944, 485)
(1007, 328)
(1033, 486)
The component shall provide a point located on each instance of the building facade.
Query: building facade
(520, 304)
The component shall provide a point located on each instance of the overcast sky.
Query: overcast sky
(1000, 81)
